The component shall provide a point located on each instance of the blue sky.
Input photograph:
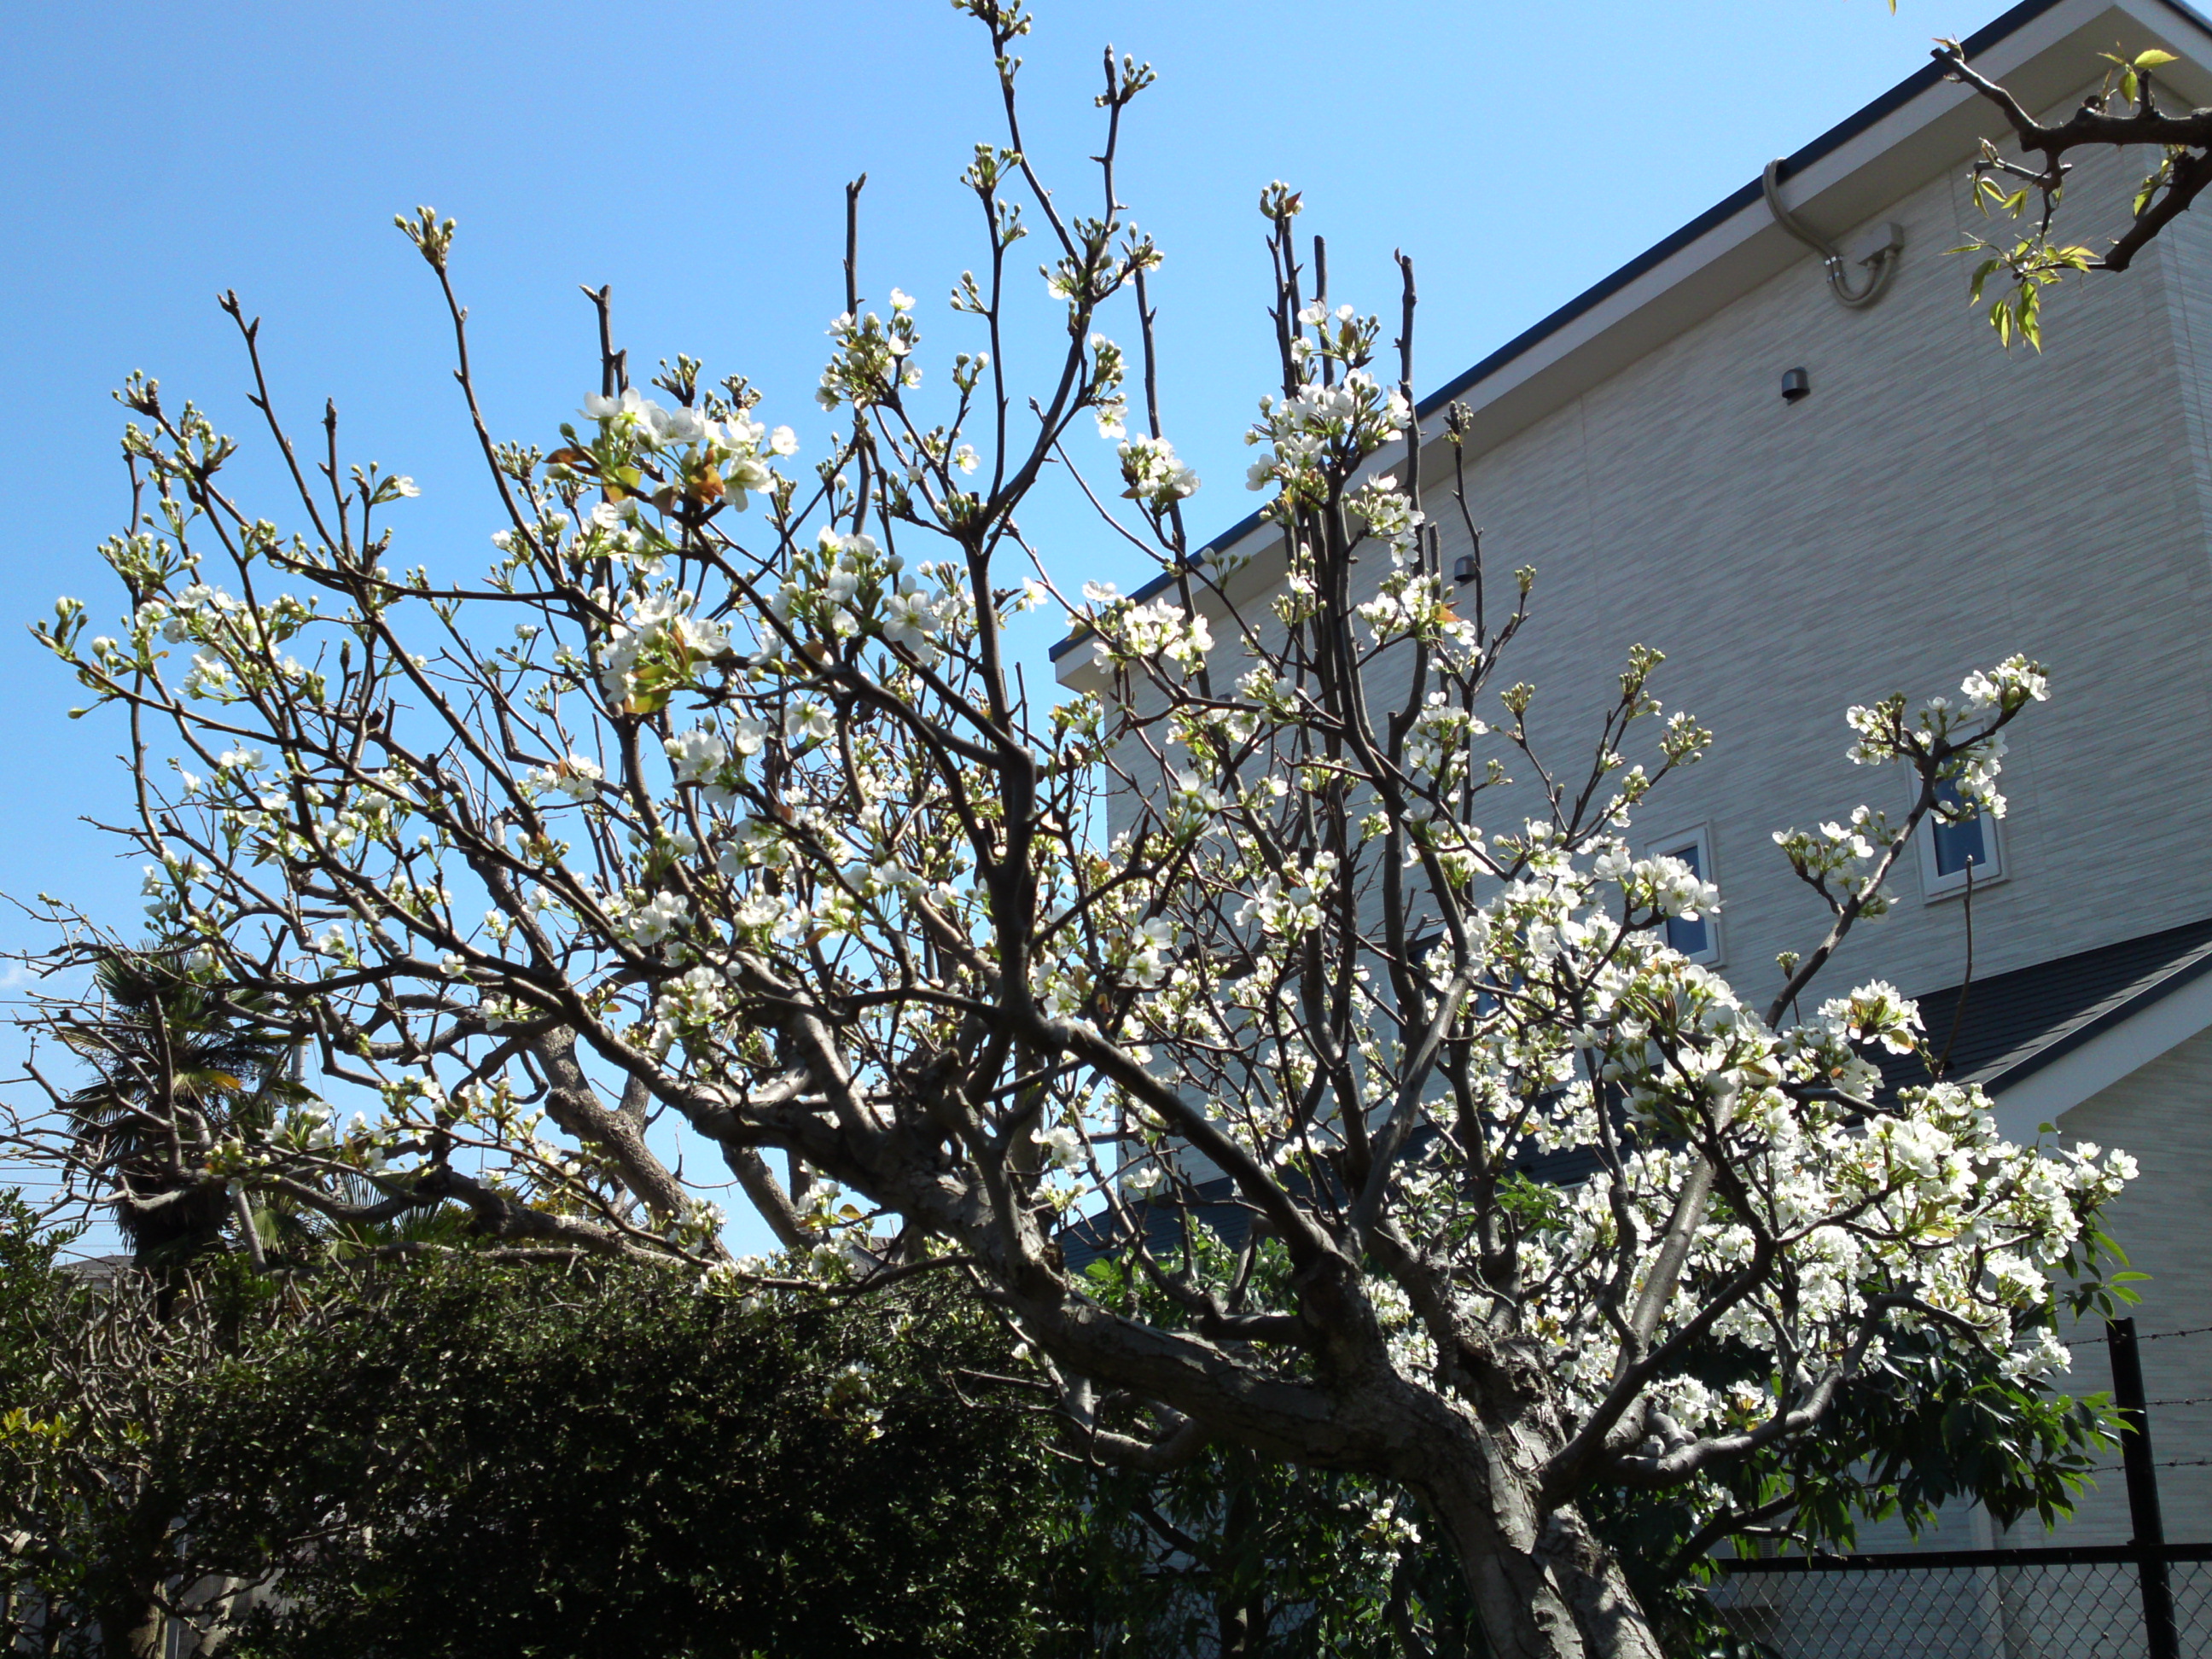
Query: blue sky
(693, 156)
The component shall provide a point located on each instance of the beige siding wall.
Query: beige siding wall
(1933, 506)
(2164, 1114)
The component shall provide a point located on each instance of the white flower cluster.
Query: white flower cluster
(1320, 427)
(2010, 685)
(1390, 514)
(704, 756)
(1129, 632)
(1436, 746)
(759, 844)
(736, 450)
(573, 775)
(659, 644)
(872, 360)
(1062, 1144)
(645, 920)
(689, 1006)
(1920, 1194)
(1142, 954)
(184, 614)
(846, 584)
(1873, 1013)
(1153, 475)
(168, 888)
(1843, 859)
(1410, 604)
(1940, 729)
(1663, 887)
(1412, 1350)
(237, 638)
(1144, 1179)
(1288, 904)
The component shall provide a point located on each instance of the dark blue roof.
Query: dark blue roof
(2015, 1024)
(1229, 1218)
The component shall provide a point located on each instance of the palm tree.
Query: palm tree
(177, 1067)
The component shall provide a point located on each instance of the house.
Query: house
(1808, 505)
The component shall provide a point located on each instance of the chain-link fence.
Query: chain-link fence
(2143, 1600)
(2083, 1603)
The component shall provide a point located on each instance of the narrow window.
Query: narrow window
(1953, 853)
(1697, 937)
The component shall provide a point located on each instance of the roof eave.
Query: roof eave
(2042, 49)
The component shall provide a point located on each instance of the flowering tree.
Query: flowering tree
(716, 804)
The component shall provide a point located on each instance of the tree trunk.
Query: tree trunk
(1240, 1608)
(1543, 1588)
(131, 1624)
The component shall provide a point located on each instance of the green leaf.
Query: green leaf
(2153, 58)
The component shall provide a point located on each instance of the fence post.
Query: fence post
(2160, 1634)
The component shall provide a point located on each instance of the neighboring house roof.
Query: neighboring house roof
(1216, 1206)
(2043, 1038)
(2042, 49)
(2040, 1039)
(98, 1269)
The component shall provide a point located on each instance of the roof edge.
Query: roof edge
(2123, 1010)
(1922, 80)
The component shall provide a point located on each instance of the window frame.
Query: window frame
(1935, 888)
(1700, 835)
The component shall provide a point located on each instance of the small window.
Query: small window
(1952, 855)
(1698, 937)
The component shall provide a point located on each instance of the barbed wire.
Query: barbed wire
(2160, 1336)
(2193, 1399)
(2163, 1463)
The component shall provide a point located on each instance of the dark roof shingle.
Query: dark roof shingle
(2015, 1024)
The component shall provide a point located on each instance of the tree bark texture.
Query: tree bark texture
(1543, 1587)
(131, 1624)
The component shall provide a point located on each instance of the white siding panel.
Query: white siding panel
(1935, 504)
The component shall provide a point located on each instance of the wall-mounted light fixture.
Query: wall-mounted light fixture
(1464, 570)
(1796, 385)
